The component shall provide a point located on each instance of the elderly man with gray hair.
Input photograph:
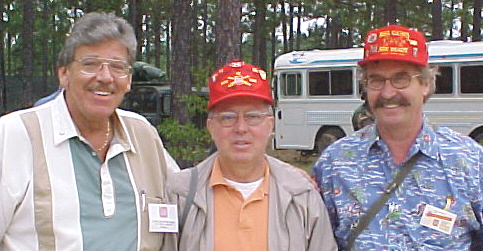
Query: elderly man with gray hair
(77, 173)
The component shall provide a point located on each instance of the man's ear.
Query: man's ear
(62, 75)
(209, 126)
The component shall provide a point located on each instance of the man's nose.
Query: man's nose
(388, 90)
(104, 73)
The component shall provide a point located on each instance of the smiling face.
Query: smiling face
(241, 144)
(94, 97)
(394, 107)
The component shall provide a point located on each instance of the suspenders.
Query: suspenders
(41, 183)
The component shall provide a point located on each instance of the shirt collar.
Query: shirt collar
(217, 177)
(65, 128)
(426, 141)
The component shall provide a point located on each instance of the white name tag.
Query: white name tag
(163, 218)
(438, 219)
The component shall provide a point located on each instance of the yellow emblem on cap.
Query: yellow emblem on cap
(238, 79)
(262, 73)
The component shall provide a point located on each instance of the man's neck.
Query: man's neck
(242, 172)
(399, 140)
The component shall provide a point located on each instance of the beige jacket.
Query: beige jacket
(38, 193)
(297, 220)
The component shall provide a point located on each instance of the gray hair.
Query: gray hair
(94, 28)
(428, 74)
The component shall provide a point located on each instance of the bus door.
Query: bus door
(289, 111)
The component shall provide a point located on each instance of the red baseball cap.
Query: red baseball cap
(394, 42)
(235, 79)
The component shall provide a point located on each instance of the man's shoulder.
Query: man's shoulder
(135, 121)
(13, 117)
(132, 117)
(448, 138)
(357, 141)
(178, 182)
(291, 178)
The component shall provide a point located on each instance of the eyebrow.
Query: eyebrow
(395, 74)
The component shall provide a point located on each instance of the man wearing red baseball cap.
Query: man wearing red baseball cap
(402, 183)
(245, 199)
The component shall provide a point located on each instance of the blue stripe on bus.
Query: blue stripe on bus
(355, 60)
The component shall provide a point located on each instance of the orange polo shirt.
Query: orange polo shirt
(239, 224)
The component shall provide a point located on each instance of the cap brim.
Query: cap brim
(389, 57)
(240, 94)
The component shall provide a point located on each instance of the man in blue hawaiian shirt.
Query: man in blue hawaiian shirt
(438, 206)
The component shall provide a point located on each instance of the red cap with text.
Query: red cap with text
(236, 79)
(394, 42)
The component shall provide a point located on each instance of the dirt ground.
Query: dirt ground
(293, 157)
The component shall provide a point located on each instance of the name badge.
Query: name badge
(438, 219)
(163, 218)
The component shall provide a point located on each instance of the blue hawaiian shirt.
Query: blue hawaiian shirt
(353, 172)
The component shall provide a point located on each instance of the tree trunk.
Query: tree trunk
(328, 32)
(452, 19)
(227, 31)
(273, 39)
(3, 89)
(9, 67)
(157, 40)
(390, 12)
(54, 43)
(299, 26)
(290, 36)
(205, 32)
(135, 18)
(168, 50)
(477, 20)
(464, 21)
(436, 19)
(27, 53)
(283, 17)
(44, 56)
(194, 36)
(259, 33)
(146, 39)
(180, 75)
(336, 28)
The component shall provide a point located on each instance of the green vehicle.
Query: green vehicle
(151, 95)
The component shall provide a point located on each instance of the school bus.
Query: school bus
(317, 91)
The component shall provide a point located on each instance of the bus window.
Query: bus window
(291, 84)
(330, 82)
(471, 79)
(444, 81)
(319, 83)
(341, 82)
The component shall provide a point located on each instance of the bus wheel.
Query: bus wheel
(327, 137)
(479, 138)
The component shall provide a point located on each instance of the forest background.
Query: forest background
(188, 39)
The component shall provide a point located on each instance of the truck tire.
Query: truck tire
(327, 137)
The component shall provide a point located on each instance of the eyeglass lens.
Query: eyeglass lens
(252, 118)
(92, 65)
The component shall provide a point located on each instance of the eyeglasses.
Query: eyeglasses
(93, 65)
(399, 81)
(252, 118)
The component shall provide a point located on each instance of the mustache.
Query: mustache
(400, 101)
(102, 87)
